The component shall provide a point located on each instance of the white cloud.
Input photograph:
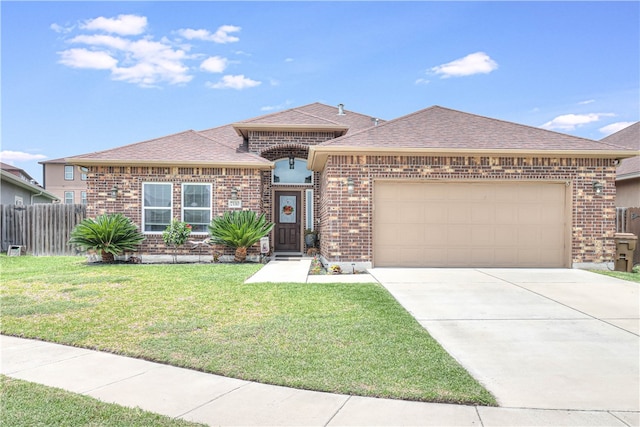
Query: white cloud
(220, 36)
(288, 60)
(238, 82)
(154, 62)
(121, 47)
(8, 156)
(569, 122)
(422, 82)
(214, 64)
(125, 25)
(474, 63)
(83, 58)
(113, 42)
(614, 127)
(588, 101)
(285, 104)
(144, 62)
(60, 29)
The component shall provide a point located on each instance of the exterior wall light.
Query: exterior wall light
(598, 187)
(234, 193)
(350, 185)
(114, 191)
(292, 162)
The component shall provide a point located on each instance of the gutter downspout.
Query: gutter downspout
(36, 195)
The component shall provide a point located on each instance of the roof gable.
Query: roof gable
(316, 114)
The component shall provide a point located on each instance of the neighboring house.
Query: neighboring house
(67, 181)
(18, 188)
(628, 176)
(436, 188)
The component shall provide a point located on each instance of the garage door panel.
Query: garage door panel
(457, 224)
(433, 233)
(482, 214)
(482, 236)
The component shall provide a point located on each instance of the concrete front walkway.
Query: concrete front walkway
(536, 338)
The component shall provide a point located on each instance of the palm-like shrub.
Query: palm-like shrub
(111, 234)
(239, 230)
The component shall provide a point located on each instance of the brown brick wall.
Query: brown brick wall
(129, 181)
(346, 220)
(260, 141)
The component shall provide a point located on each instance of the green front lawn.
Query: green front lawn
(344, 338)
(631, 277)
(24, 404)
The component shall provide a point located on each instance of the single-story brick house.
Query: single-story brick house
(437, 188)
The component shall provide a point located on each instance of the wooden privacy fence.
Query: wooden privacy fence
(42, 229)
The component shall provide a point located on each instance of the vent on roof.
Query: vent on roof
(375, 120)
(341, 110)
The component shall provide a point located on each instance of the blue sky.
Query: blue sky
(79, 77)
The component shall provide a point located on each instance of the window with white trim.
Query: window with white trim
(156, 207)
(68, 197)
(83, 197)
(196, 206)
(68, 173)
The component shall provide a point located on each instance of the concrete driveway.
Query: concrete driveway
(536, 338)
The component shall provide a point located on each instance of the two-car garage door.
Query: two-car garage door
(470, 224)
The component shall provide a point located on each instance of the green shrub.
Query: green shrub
(176, 234)
(111, 234)
(239, 230)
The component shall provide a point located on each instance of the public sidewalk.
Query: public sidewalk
(220, 401)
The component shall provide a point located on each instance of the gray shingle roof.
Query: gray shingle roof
(442, 128)
(188, 147)
(429, 129)
(628, 137)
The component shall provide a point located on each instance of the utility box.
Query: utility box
(625, 246)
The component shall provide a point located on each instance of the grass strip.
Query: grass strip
(26, 404)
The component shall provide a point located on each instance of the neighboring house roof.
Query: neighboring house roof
(61, 160)
(20, 173)
(628, 137)
(11, 178)
(439, 130)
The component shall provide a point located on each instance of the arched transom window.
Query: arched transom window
(292, 171)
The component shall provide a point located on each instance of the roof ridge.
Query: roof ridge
(436, 107)
(274, 113)
(383, 124)
(537, 128)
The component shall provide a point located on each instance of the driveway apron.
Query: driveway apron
(535, 338)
